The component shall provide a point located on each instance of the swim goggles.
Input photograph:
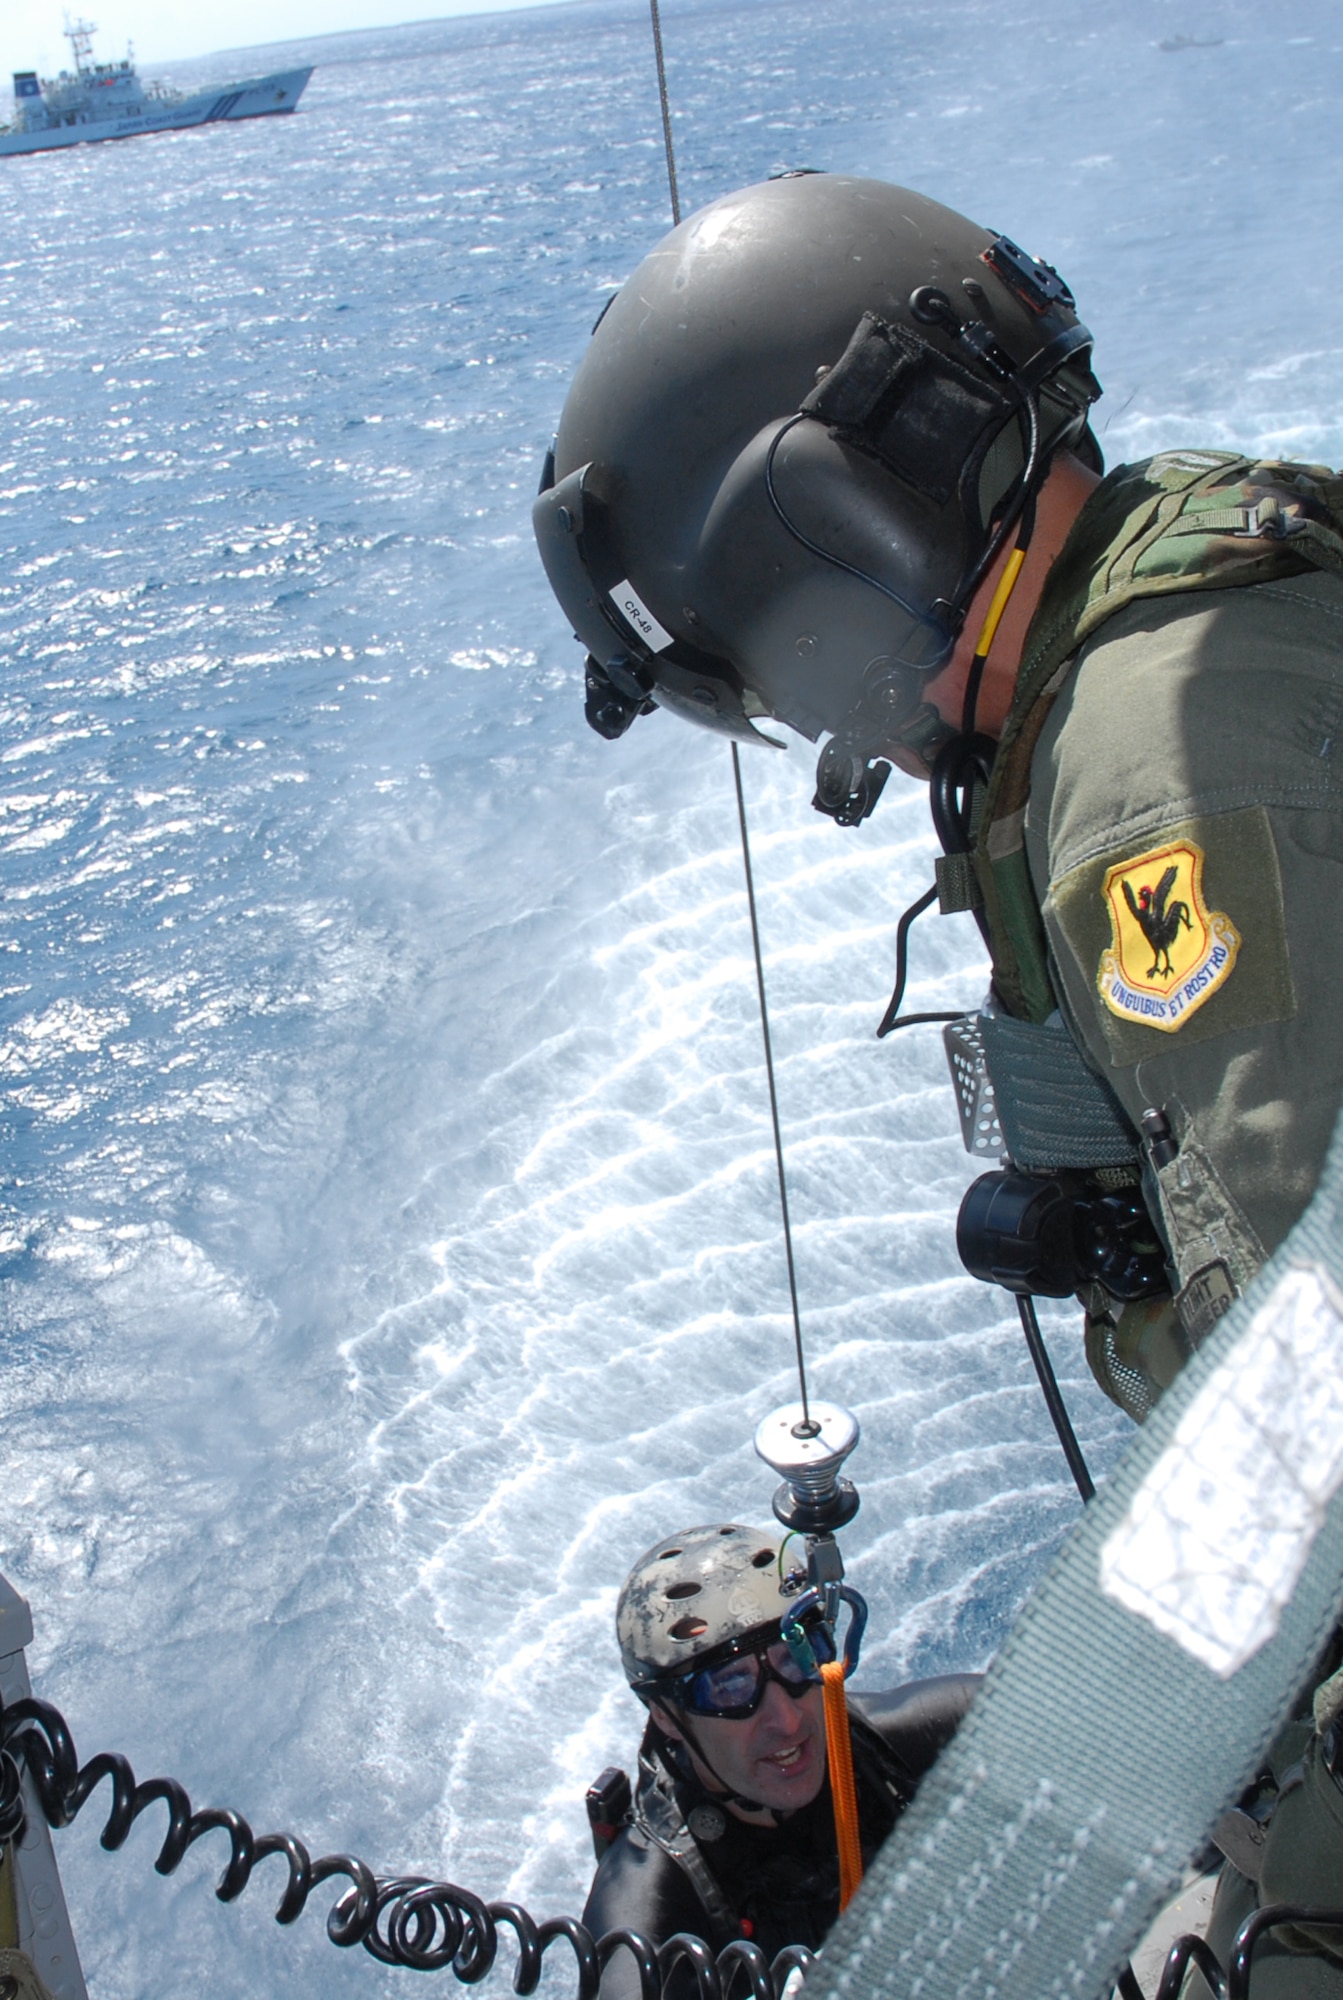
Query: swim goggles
(730, 1683)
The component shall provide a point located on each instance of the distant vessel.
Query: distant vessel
(108, 101)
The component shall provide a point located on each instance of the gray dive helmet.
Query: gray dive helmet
(801, 434)
(695, 1593)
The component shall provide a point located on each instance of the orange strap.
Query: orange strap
(839, 1749)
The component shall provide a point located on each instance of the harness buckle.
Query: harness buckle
(1268, 520)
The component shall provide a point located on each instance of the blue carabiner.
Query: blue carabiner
(794, 1635)
(853, 1638)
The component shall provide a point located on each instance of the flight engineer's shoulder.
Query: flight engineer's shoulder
(1209, 699)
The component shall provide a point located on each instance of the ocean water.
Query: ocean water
(388, 1225)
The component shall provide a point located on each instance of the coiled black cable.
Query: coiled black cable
(428, 1926)
(405, 1920)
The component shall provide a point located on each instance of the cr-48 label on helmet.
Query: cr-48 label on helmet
(1169, 952)
(636, 613)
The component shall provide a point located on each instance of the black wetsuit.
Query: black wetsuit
(774, 1885)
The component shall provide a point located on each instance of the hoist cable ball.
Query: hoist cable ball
(807, 1448)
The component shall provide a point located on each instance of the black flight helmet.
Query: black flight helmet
(803, 431)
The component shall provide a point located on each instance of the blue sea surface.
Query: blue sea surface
(388, 1219)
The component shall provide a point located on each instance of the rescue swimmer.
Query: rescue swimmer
(731, 1832)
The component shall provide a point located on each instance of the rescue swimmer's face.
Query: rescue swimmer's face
(776, 1755)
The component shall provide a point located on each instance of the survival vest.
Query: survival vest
(1186, 520)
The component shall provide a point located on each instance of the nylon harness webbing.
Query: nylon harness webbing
(659, 1817)
(1053, 1109)
(1100, 1752)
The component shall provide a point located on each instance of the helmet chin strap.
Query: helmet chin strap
(729, 1797)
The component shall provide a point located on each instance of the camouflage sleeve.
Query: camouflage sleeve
(1185, 833)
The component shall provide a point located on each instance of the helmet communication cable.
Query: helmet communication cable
(962, 763)
(815, 548)
(893, 1018)
(745, 836)
(960, 766)
(1007, 583)
(1022, 508)
(1021, 503)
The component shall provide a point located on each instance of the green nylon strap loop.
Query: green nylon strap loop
(957, 883)
(1100, 1752)
(1217, 521)
(9, 1908)
(1018, 910)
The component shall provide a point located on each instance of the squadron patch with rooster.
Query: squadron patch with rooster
(1198, 953)
(1169, 953)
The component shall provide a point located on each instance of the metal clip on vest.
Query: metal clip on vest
(807, 1446)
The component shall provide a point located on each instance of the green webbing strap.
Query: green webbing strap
(9, 1905)
(1101, 1751)
(1053, 1109)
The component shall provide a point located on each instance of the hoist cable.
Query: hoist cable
(769, 1073)
(666, 111)
(745, 836)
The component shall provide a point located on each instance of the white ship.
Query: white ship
(108, 101)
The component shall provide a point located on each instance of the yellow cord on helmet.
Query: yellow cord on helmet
(1007, 583)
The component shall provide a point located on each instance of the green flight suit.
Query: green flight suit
(1193, 751)
(1213, 719)
(1158, 851)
